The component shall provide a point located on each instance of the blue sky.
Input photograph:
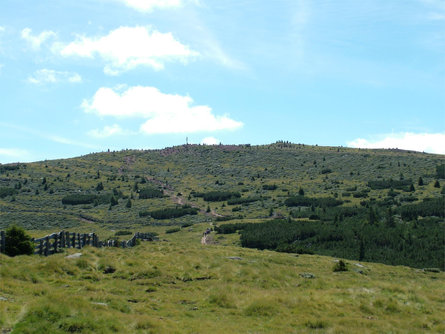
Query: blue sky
(90, 75)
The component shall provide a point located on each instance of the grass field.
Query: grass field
(177, 285)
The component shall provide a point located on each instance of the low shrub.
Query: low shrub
(173, 230)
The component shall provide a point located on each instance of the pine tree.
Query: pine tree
(420, 183)
(113, 201)
(128, 205)
(99, 186)
(437, 184)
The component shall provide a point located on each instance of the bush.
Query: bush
(76, 199)
(168, 213)
(7, 192)
(147, 193)
(173, 230)
(18, 242)
(123, 233)
(246, 200)
(387, 184)
(217, 196)
(340, 266)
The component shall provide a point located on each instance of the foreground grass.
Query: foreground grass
(180, 286)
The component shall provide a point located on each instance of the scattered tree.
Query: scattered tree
(420, 183)
(18, 242)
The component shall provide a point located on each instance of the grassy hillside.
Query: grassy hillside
(368, 205)
(178, 285)
(37, 189)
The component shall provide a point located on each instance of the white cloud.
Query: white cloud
(126, 48)
(107, 131)
(13, 152)
(37, 40)
(422, 142)
(50, 76)
(2, 29)
(210, 141)
(163, 113)
(147, 6)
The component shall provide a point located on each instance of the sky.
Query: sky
(86, 76)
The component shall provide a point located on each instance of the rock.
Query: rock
(3, 299)
(234, 258)
(359, 265)
(307, 275)
(99, 303)
(73, 256)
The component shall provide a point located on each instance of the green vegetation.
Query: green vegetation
(217, 196)
(7, 192)
(147, 193)
(168, 213)
(371, 241)
(18, 242)
(335, 203)
(307, 201)
(181, 286)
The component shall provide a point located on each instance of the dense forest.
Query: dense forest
(373, 234)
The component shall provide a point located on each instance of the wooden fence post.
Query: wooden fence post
(62, 239)
(46, 245)
(55, 243)
(79, 243)
(41, 247)
(2, 242)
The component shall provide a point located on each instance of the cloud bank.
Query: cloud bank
(162, 113)
(126, 48)
(422, 142)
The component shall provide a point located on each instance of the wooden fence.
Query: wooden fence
(55, 242)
